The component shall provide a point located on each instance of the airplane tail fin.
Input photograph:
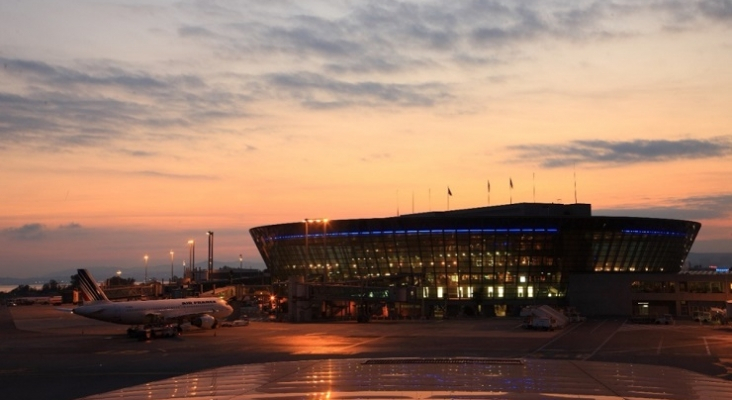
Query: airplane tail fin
(89, 287)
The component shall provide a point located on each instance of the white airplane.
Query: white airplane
(202, 312)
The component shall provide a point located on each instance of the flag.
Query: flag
(510, 182)
(449, 193)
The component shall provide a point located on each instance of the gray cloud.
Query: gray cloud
(70, 226)
(158, 174)
(397, 37)
(34, 231)
(320, 91)
(412, 34)
(717, 9)
(65, 77)
(195, 31)
(140, 153)
(603, 152)
(341, 55)
(63, 108)
(695, 208)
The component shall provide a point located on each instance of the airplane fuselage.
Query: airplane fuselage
(145, 312)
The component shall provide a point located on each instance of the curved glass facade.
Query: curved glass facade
(505, 252)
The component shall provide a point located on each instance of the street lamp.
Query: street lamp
(145, 268)
(210, 253)
(171, 266)
(192, 257)
(241, 262)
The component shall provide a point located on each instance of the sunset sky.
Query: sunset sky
(129, 127)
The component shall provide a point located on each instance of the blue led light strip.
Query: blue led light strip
(653, 232)
(417, 232)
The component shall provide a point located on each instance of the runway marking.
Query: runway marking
(669, 350)
(660, 345)
(556, 338)
(602, 344)
(725, 363)
(363, 342)
(598, 325)
(122, 352)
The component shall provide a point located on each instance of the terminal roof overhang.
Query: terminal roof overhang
(514, 210)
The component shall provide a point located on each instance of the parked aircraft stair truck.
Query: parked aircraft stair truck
(543, 318)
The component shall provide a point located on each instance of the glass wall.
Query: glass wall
(473, 258)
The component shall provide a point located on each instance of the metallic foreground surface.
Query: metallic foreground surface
(433, 378)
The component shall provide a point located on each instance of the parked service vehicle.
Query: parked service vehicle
(702, 316)
(665, 319)
(543, 318)
(540, 323)
(236, 322)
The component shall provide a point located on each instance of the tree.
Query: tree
(119, 281)
(23, 290)
(51, 286)
(74, 281)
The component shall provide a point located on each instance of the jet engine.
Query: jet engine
(205, 322)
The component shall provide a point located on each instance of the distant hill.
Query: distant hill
(159, 272)
(707, 259)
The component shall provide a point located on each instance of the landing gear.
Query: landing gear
(144, 335)
(147, 332)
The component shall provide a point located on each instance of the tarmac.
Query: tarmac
(53, 354)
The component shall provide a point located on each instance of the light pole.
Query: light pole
(145, 268)
(241, 262)
(171, 266)
(210, 253)
(192, 258)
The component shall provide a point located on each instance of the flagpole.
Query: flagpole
(489, 192)
(448, 198)
(510, 191)
(397, 200)
(575, 185)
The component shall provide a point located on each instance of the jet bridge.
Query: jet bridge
(310, 301)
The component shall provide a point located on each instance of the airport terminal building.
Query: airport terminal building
(488, 260)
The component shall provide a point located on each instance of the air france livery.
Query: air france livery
(201, 312)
